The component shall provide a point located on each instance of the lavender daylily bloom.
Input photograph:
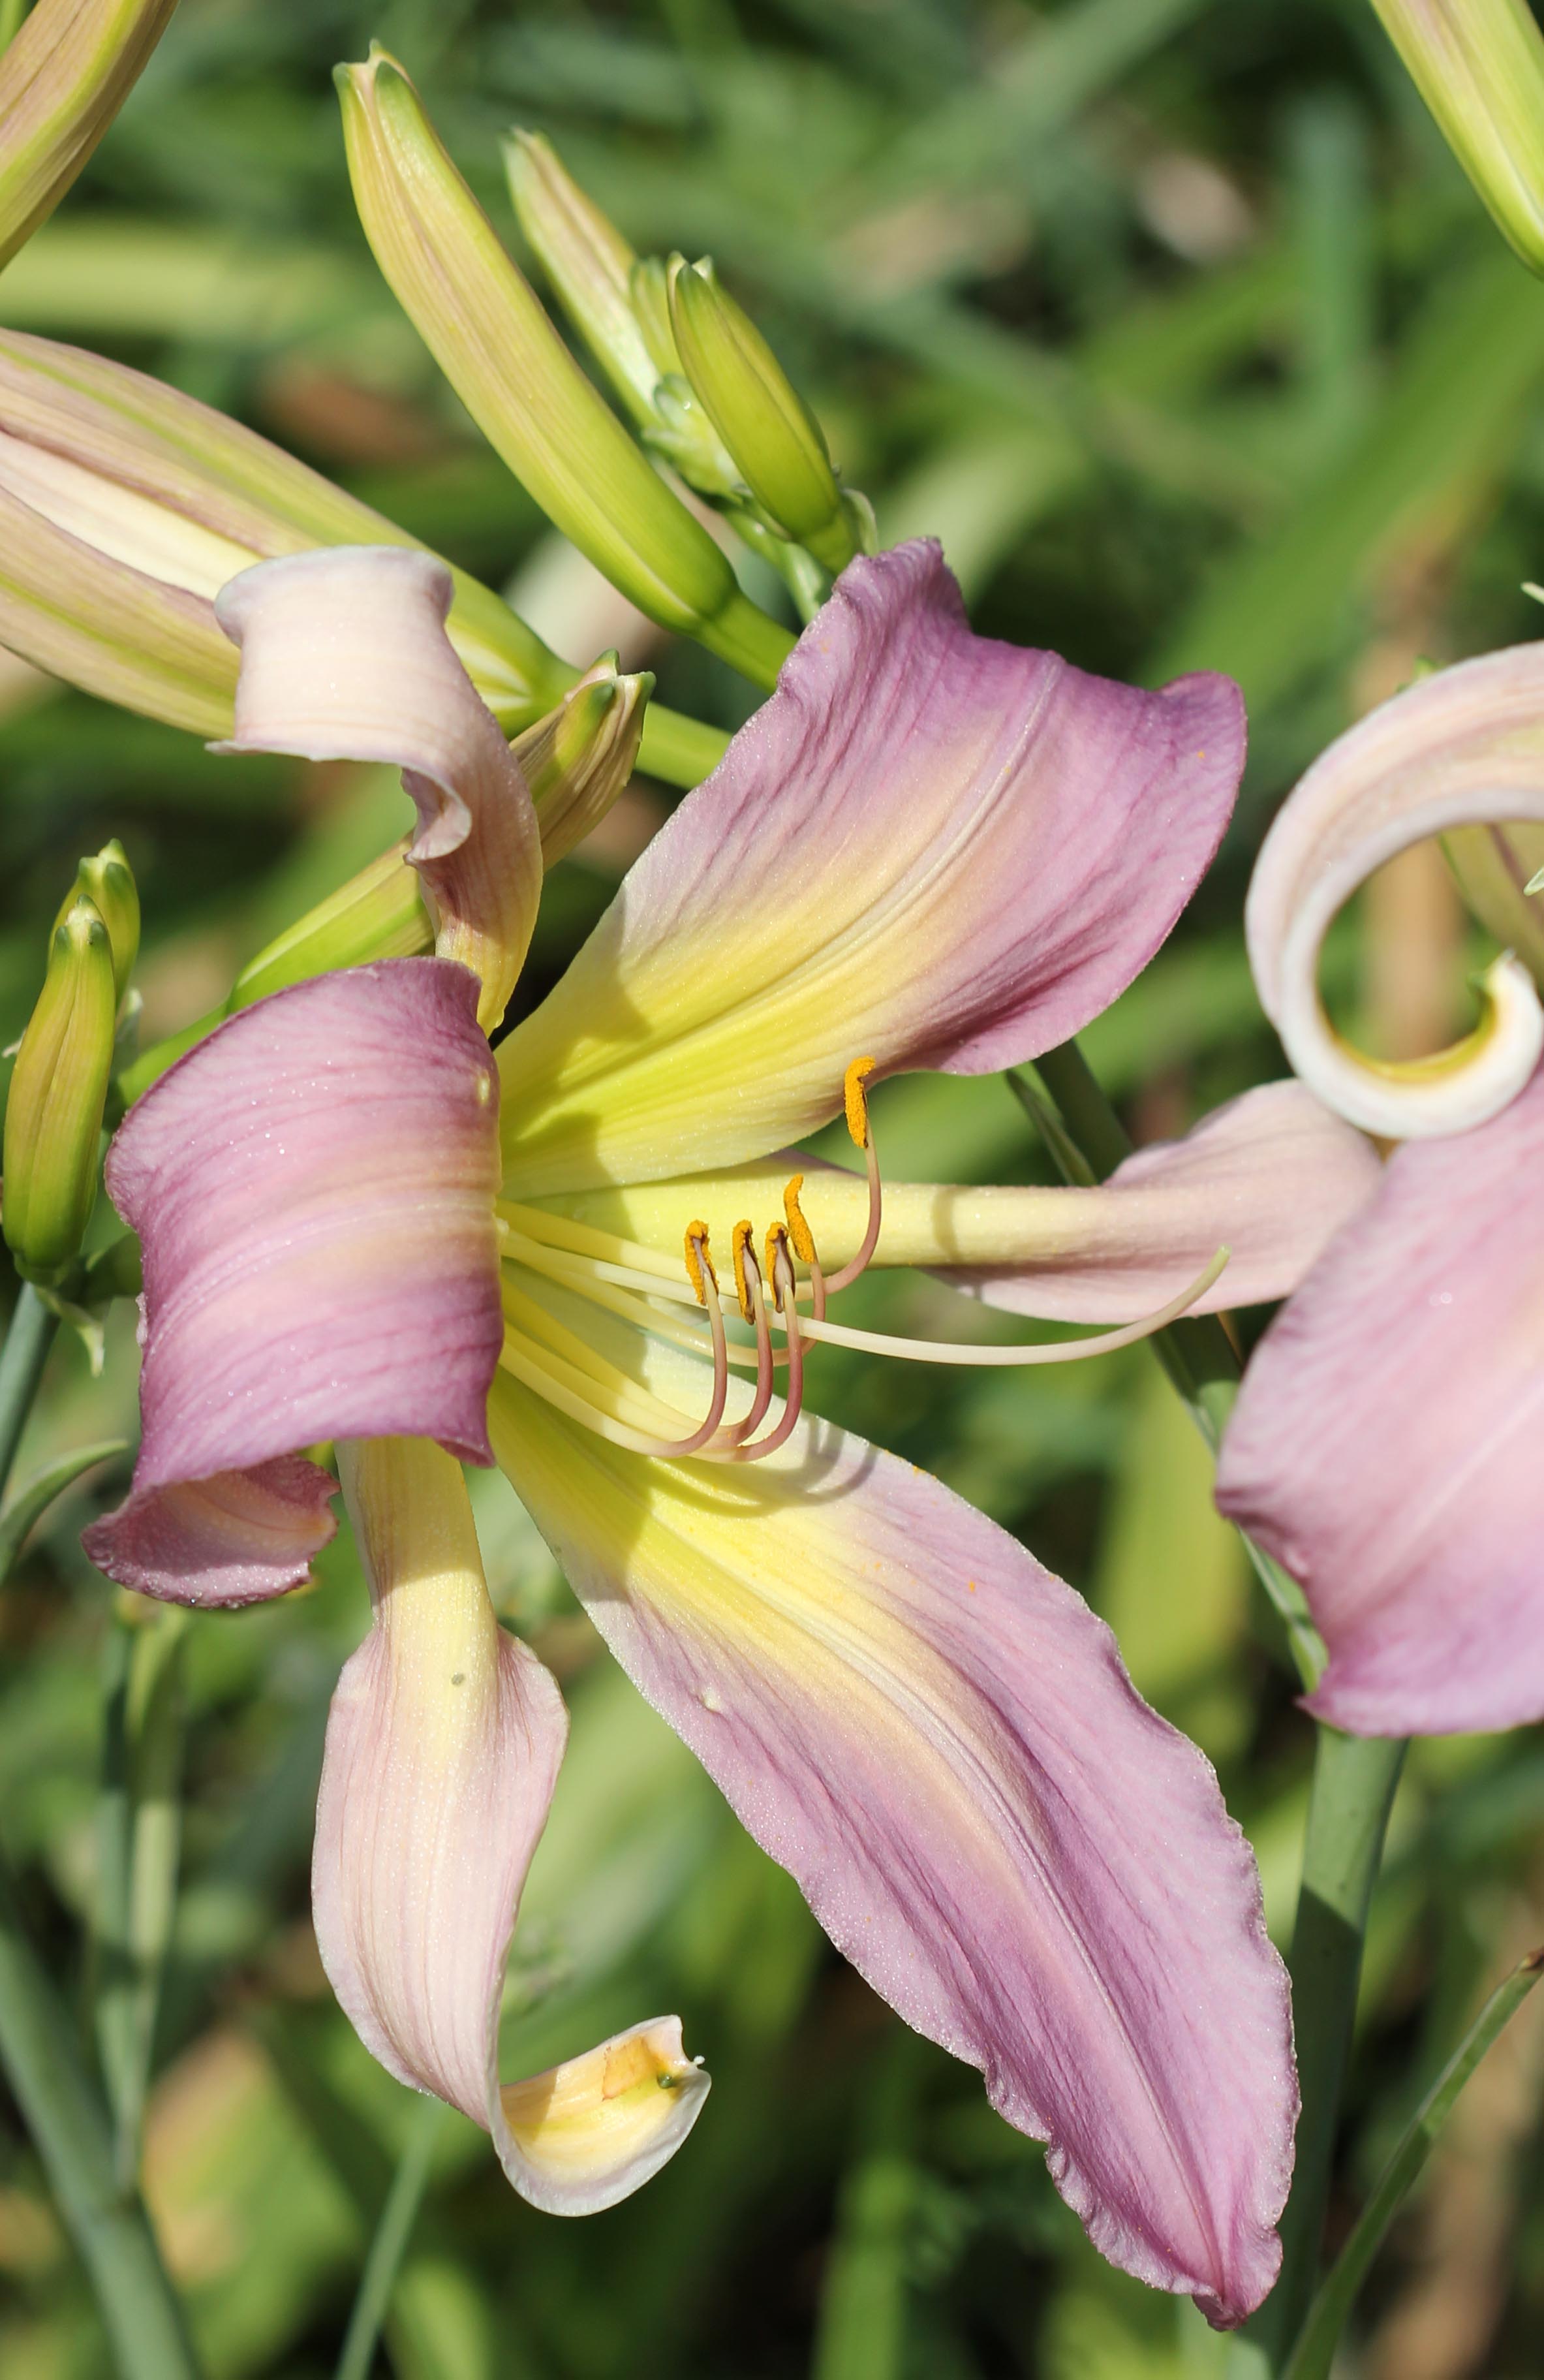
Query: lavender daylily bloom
(1382, 1447)
(927, 849)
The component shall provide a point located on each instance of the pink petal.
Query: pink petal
(1385, 1446)
(938, 1740)
(442, 1750)
(926, 847)
(345, 655)
(313, 1191)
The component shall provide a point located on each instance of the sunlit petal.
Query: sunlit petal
(1386, 1444)
(927, 846)
(938, 1738)
(345, 655)
(312, 1188)
(442, 1751)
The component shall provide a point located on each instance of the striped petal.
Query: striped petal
(1385, 1445)
(312, 1188)
(1464, 748)
(345, 655)
(1272, 1176)
(938, 1740)
(442, 1751)
(926, 847)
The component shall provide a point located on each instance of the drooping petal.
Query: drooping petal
(312, 1188)
(345, 655)
(1385, 1446)
(1271, 1176)
(938, 1738)
(926, 847)
(442, 1751)
(1463, 747)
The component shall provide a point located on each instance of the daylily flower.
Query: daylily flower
(927, 849)
(1383, 1445)
(64, 75)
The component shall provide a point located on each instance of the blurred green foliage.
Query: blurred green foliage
(1175, 322)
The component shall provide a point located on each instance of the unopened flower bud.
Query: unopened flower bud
(588, 263)
(578, 759)
(63, 78)
(503, 357)
(107, 881)
(58, 1090)
(765, 425)
(125, 506)
(1480, 67)
(378, 914)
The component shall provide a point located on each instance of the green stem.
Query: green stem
(11, 14)
(389, 2244)
(1353, 1777)
(1314, 2351)
(67, 2119)
(1354, 1781)
(679, 750)
(139, 1842)
(21, 1361)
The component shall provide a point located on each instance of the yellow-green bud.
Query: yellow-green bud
(107, 881)
(1480, 67)
(490, 336)
(58, 1090)
(588, 263)
(767, 428)
(63, 78)
(378, 914)
(578, 759)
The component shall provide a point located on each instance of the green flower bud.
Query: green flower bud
(1480, 67)
(63, 78)
(578, 759)
(58, 1090)
(107, 881)
(483, 323)
(588, 263)
(378, 914)
(767, 428)
(125, 506)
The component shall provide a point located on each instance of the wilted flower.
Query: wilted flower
(1383, 1446)
(927, 849)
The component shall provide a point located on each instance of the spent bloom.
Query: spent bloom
(360, 1225)
(1385, 1446)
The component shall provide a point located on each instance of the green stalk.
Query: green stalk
(679, 750)
(21, 1361)
(389, 2244)
(139, 1842)
(1314, 2352)
(1353, 1777)
(66, 2121)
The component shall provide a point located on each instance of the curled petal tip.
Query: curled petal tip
(590, 2131)
(1460, 748)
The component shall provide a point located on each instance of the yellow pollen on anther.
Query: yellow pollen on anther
(799, 1231)
(854, 1091)
(699, 1264)
(743, 1236)
(777, 1244)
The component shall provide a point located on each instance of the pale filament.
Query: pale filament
(639, 1285)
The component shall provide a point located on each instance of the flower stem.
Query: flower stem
(389, 2244)
(65, 2118)
(21, 1361)
(1354, 1779)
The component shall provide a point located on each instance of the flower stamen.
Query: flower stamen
(780, 1266)
(855, 1102)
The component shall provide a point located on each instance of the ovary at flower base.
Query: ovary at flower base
(347, 1236)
